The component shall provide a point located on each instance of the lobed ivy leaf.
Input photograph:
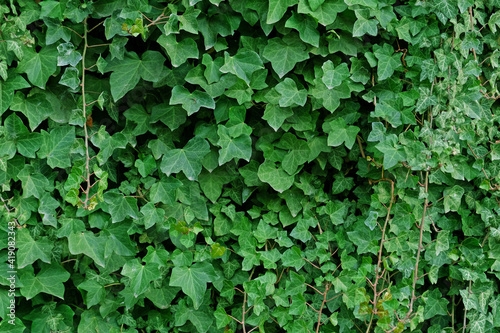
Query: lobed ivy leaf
(284, 54)
(191, 102)
(275, 176)
(193, 280)
(187, 159)
(39, 66)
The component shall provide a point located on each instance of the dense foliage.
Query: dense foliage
(250, 165)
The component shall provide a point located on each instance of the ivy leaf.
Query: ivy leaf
(187, 159)
(7, 89)
(30, 250)
(284, 54)
(324, 11)
(435, 304)
(172, 116)
(364, 25)
(121, 207)
(191, 102)
(275, 176)
(277, 8)
(276, 115)
(306, 26)
(140, 275)
(233, 147)
(388, 62)
(391, 150)
(165, 191)
(87, 243)
(126, 73)
(334, 76)
(453, 198)
(211, 183)
(34, 184)
(39, 66)
(243, 64)
(179, 52)
(290, 95)
(339, 132)
(49, 280)
(193, 280)
(298, 152)
(36, 108)
(95, 292)
(56, 146)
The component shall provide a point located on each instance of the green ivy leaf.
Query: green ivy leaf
(306, 27)
(284, 54)
(191, 102)
(165, 191)
(193, 280)
(334, 76)
(290, 95)
(275, 176)
(393, 154)
(140, 275)
(126, 73)
(30, 250)
(36, 108)
(453, 198)
(179, 52)
(87, 243)
(277, 8)
(49, 280)
(339, 132)
(39, 66)
(187, 159)
(243, 64)
(56, 146)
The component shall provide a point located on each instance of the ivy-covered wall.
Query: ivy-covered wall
(249, 166)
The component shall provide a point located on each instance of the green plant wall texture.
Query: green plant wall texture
(250, 166)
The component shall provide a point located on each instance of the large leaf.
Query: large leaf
(187, 159)
(140, 275)
(275, 176)
(56, 146)
(49, 280)
(284, 54)
(30, 250)
(126, 73)
(39, 66)
(193, 280)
